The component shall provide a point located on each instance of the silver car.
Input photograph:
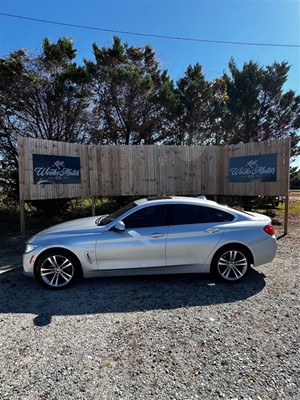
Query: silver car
(153, 236)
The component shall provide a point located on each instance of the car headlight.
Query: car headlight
(30, 247)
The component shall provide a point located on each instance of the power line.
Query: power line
(149, 34)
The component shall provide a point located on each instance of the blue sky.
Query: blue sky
(255, 21)
(261, 21)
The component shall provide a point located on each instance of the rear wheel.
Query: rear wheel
(57, 269)
(231, 263)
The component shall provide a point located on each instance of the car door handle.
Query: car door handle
(156, 235)
(212, 230)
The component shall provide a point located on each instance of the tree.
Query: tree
(257, 107)
(131, 94)
(124, 97)
(294, 178)
(199, 107)
(191, 114)
(41, 96)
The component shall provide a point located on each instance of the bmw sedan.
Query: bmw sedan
(153, 236)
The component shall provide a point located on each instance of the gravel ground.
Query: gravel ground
(172, 337)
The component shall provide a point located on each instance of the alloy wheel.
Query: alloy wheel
(57, 271)
(232, 265)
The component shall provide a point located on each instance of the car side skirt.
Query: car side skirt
(180, 269)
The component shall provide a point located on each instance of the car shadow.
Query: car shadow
(20, 294)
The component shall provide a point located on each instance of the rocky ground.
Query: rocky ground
(171, 337)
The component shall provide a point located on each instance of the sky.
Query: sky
(247, 21)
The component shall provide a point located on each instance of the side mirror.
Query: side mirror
(119, 227)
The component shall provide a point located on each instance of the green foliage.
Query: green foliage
(58, 54)
(294, 177)
(123, 96)
(257, 108)
(131, 95)
(193, 96)
(9, 218)
(41, 96)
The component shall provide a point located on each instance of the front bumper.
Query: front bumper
(28, 264)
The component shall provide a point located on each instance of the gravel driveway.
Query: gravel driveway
(172, 337)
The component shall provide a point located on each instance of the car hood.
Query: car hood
(75, 227)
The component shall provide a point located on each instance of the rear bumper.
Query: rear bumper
(264, 252)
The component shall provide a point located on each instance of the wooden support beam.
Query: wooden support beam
(286, 214)
(22, 218)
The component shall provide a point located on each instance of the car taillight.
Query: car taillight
(269, 230)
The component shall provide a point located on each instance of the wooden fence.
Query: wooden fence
(151, 170)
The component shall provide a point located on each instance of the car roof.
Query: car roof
(177, 200)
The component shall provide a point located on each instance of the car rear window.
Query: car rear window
(183, 214)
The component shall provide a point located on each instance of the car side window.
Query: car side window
(147, 217)
(186, 214)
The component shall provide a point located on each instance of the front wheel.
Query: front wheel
(231, 263)
(57, 269)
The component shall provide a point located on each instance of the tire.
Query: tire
(231, 263)
(57, 269)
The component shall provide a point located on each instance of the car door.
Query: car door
(194, 232)
(141, 245)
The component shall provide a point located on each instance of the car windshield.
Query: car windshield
(110, 218)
